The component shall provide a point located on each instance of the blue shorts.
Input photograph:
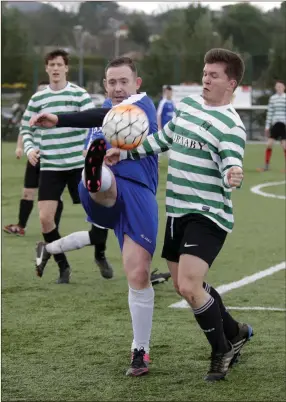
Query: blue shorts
(135, 213)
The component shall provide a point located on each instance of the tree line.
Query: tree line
(169, 47)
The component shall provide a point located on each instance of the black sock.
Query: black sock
(25, 210)
(98, 238)
(60, 259)
(209, 319)
(58, 213)
(230, 326)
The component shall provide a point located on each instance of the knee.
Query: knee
(47, 221)
(190, 289)
(138, 275)
(28, 194)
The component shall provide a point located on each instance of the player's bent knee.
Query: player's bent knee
(47, 218)
(190, 289)
(47, 223)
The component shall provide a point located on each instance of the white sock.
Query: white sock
(106, 179)
(141, 306)
(71, 242)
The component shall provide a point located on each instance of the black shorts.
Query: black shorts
(278, 131)
(32, 175)
(52, 184)
(192, 234)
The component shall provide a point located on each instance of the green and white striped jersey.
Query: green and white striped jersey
(60, 148)
(204, 143)
(276, 110)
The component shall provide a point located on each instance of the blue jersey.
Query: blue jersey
(143, 171)
(96, 131)
(165, 111)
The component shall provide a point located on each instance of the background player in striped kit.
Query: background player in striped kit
(207, 140)
(275, 127)
(60, 150)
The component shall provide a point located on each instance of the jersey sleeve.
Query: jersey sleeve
(85, 102)
(231, 151)
(270, 113)
(154, 144)
(26, 131)
(86, 119)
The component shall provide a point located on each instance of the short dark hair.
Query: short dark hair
(168, 87)
(57, 53)
(234, 64)
(122, 61)
(280, 82)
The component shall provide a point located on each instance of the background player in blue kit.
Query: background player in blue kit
(125, 202)
(166, 108)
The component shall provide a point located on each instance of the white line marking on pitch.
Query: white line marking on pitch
(238, 284)
(256, 308)
(257, 190)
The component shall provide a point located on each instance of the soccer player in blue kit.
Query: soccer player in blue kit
(123, 198)
(166, 108)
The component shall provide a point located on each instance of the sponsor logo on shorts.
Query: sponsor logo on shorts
(146, 238)
(190, 245)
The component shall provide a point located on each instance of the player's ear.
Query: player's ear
(67, 69)
(104, 84)
(138, 82)
(233, 84)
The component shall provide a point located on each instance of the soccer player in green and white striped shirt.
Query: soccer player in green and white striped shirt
(206, 139)
(275, 127)
(59, 149)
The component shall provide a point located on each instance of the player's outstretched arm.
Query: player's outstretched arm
(86, 119)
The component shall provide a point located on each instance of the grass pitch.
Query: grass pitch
(72, 342)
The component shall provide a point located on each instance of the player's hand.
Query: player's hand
(19, 152)
(112, 156)
(84, 152)
(46, 120)
(33, 157)
(235, 176)
(267, 132)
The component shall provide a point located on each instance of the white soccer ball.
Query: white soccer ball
(125, 126)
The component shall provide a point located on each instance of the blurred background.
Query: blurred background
(167, 40)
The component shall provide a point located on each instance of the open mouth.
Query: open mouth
(119, 99)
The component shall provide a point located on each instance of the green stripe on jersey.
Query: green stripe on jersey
(66, 166)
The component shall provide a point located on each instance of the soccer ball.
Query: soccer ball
(125, 126)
